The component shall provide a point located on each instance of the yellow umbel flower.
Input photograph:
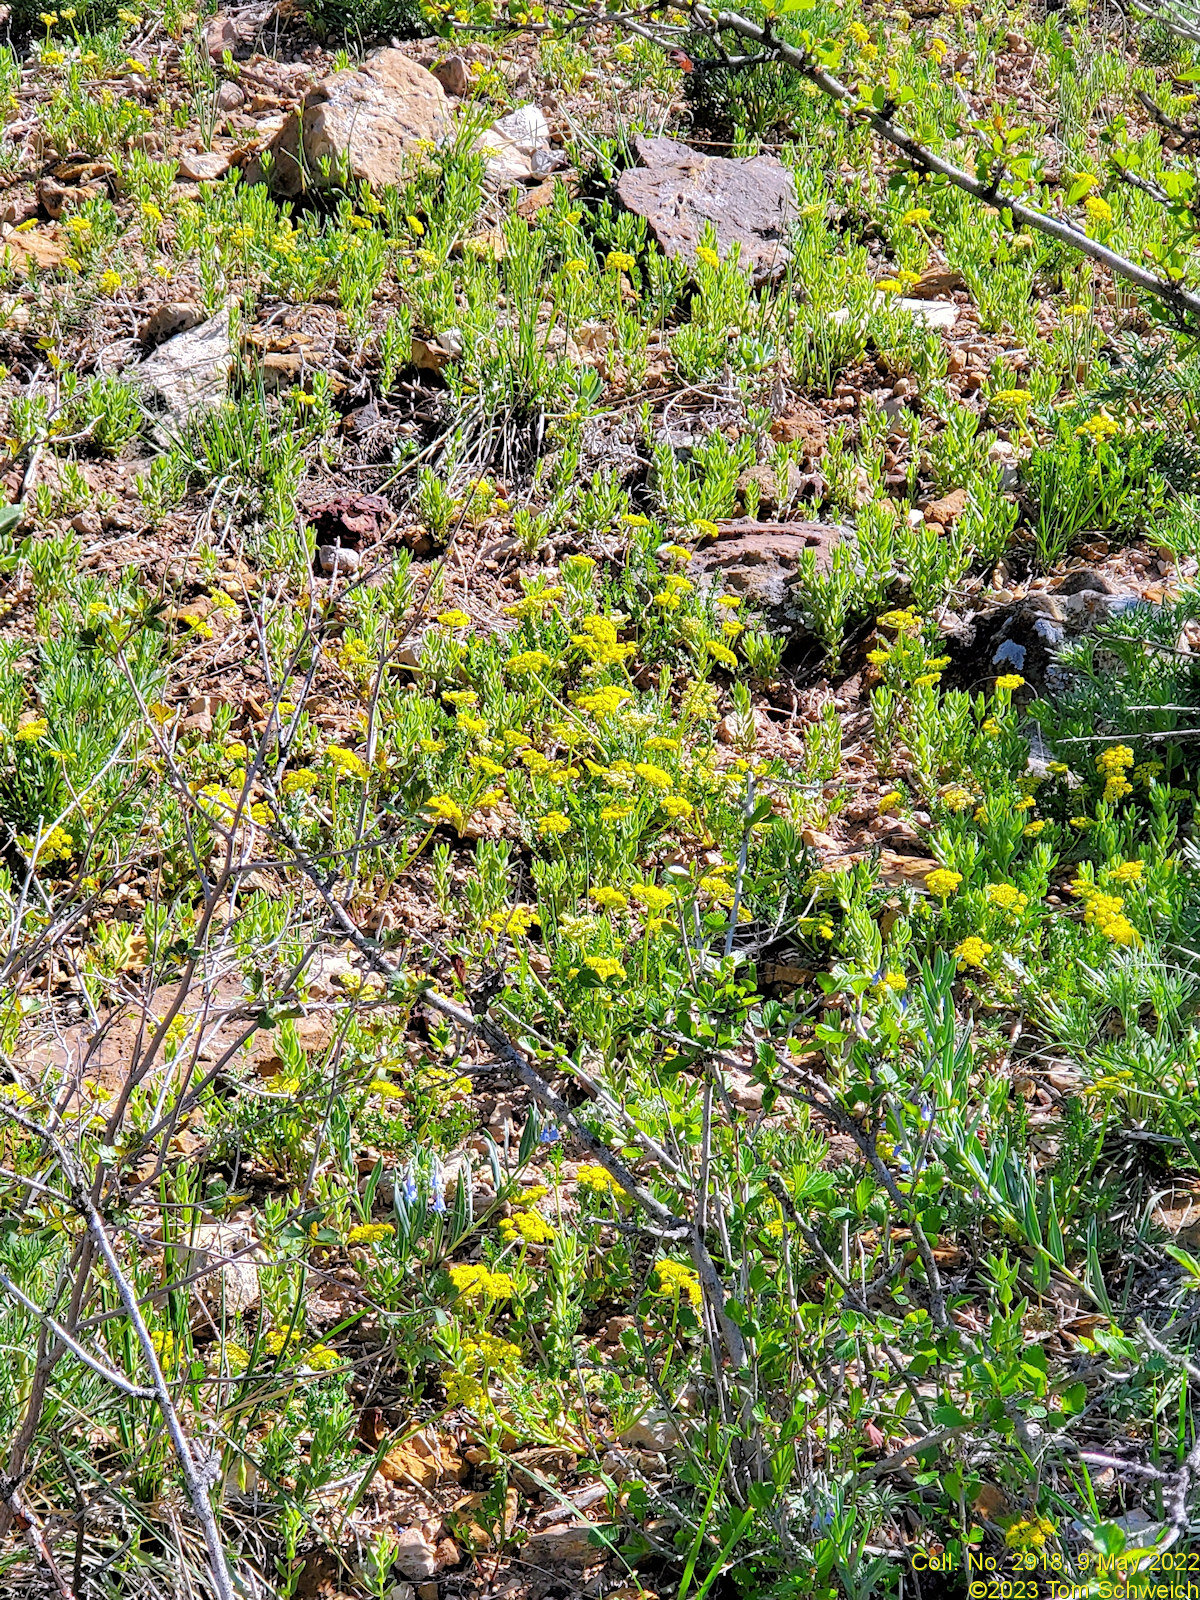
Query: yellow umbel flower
(942, 882)
(675, 1280)
(972, 952)
(474, 1283)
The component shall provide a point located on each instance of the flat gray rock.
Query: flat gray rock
(750, 201)
(191, 370)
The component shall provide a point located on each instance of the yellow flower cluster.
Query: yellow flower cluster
(955, 798)
(370, 1233)
(1099, 427)
(1006, 897)
(905, 621)
(1105, 913)
(492, 1353)
(972, 952)
(1127, 872)
(322, 1358)
(609, 899)
(474, 1282)
(526, 1226)
(553, 824)
(1098, 210)
(533, 604)
(605, 967)
(656, 777)
(57, 845)
(599, 642)
(596, 1179)
(303, 780)
(674, 1280)
(515, 921)
(603, 702)
(1111, 764)
(346, 762)
(653, 896)
(528, 663)
(942, 882)
(440, 808)
(1029, 1532)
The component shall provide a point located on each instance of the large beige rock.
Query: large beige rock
(361, 124)
(222, 1260)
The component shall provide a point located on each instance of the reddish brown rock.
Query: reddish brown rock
(804, 424)
(944, 513)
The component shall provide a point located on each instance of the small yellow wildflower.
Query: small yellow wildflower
(1030, 1532)
(553, 824)
(1127, 872)
(529, 662)
(593, 1177)
(1006, 897)
(972, 952)
(603, 702)
(370, 1233)
(302, 780)
(346, 762)
(676, 1280)
(604, 967)
(653, 775)
(441, 808)
(955, 798)
(473, 1282)
(653, 896)
(1099, 427)
(609, 899)
(905, 621)
(942, 882)
(528, 1227)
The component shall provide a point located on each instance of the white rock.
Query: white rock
(526, 128)
(516, 146)
(655, 1431)
(937, 313)
(203, 166)
(190, 371)
(572, 1545)
(415, 1556)
(225, 1253)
